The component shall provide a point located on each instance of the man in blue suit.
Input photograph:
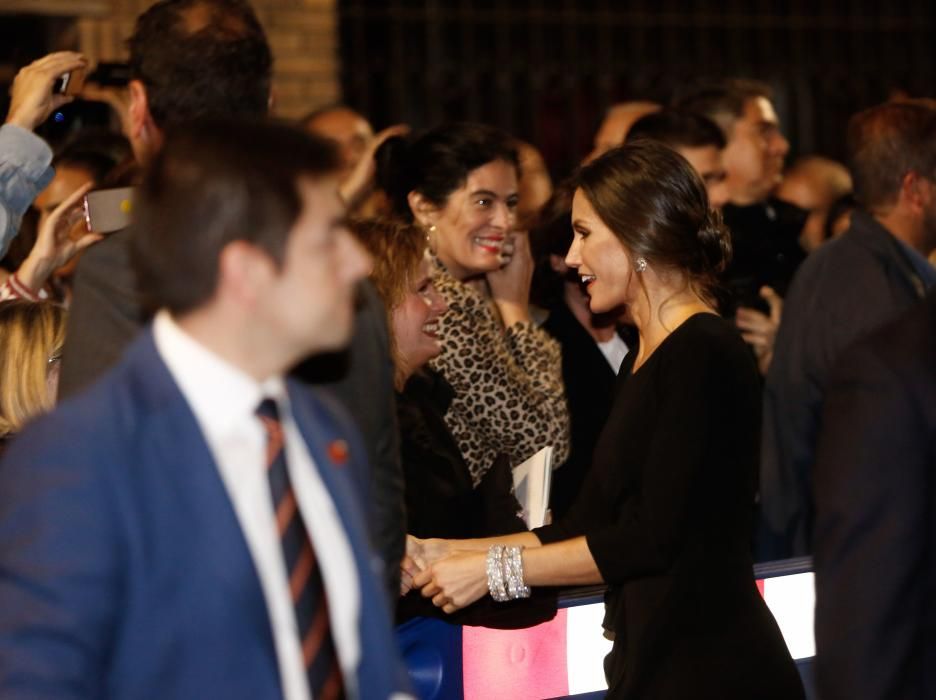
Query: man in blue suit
(191, 526)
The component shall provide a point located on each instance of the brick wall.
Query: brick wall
(302, 33)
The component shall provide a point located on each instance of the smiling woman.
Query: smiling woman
(458, 183)
(441, 500)
(665, 514)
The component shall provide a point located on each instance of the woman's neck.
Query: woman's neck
(660, 315)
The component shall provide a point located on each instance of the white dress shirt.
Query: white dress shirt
(614, 350)
(224, 400)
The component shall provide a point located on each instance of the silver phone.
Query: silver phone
(107, 211)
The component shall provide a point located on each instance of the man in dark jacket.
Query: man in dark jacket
(847, 288)
(875, 503)
(764, 231)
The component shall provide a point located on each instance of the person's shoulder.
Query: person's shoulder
(907, 344)
(322, 406)
(707, 340)
(714, 329)
(837, 270)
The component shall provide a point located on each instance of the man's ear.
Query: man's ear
(424, 211)
(140, 122)
(915, 192)
(244, 271)
(138, 111)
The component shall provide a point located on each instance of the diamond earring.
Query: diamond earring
(640, 264)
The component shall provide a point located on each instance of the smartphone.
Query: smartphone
(106, 211)
(110, 74)
(70, 83)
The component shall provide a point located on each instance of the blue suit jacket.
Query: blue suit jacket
(123, 570)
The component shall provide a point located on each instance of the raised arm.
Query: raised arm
(25, 158)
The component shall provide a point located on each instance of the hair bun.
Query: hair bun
(716, 243)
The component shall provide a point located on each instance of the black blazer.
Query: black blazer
(765, 250)
(847, 288)
(875, 486)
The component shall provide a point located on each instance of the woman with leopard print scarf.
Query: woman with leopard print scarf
(459, 182)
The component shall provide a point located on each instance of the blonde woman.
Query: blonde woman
(31, 339)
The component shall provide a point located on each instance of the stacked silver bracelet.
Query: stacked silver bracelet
(505, 573)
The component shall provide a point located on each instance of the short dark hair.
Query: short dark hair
(884, 144)
(655, 203)
(677, 129)
(96, 151)
(201, 58)
(215, 182)
(438, 161)
(722, 101)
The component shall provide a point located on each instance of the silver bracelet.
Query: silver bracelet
(513, 573)
(495, 573)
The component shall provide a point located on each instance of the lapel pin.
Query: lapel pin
(338, 452)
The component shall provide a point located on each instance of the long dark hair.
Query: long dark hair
(437, 162)
(654, 202)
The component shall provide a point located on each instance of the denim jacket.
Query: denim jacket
(25, 170)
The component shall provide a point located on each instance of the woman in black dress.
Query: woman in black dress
(665, 516)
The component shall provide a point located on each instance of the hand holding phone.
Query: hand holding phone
(107, 211)
(32, 98)
(70, 83)
(60, 238)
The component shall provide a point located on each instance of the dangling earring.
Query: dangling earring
(640, 264)
(429, 231)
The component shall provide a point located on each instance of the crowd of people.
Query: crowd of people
(279, 412)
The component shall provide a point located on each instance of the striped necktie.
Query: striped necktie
(305, 579)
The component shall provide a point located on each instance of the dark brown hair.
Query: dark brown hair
(215, 182)
(677, 129)
(437, 162)
(654, 202)
(201, 58)
(884, 144)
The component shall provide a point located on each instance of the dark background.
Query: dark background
(546, 69)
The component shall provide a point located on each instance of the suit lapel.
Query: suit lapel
(329, 451)
(177, 451)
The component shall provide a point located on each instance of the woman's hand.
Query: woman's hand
(61, 237)
(510, 285)
(425, 552)
(409, 569)
(456, 581)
